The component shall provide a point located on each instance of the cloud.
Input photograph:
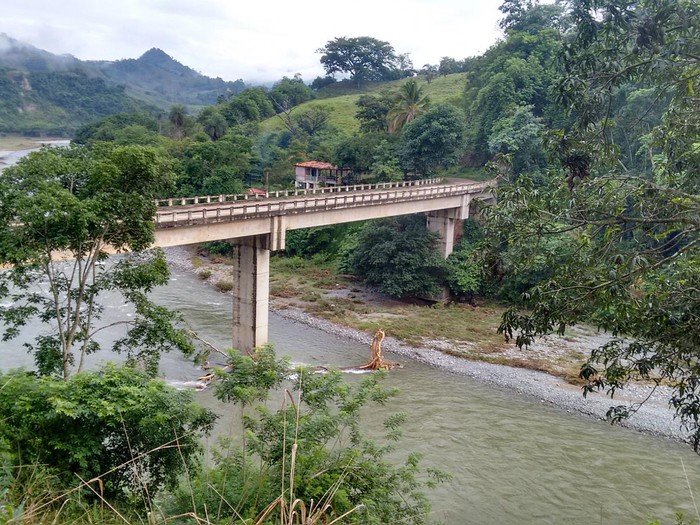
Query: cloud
(256, 41)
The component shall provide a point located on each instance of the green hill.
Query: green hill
(43, 93)
(340, 99)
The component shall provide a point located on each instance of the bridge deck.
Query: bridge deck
(214, 212)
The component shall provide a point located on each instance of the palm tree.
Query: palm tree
(178, 121)
(411, 103)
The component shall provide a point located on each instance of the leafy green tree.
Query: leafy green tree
(633, 264)
(519, 136)
(373, 110)
(134, 433)
(321, 82)
(364, 58)
(290, 92)
(251, 105)
(215, 168)
(311, 451)
(399, 256)
(180, 123)
(213, 123)
(435, 139)
(410, 103)
(106, 129)
(429, 72)
(81, 204)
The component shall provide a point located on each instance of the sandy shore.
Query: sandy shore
(654, 417)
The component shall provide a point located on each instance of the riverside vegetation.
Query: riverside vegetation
(586, 113)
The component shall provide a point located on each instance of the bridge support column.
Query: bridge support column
(251, 291)
(443, 222)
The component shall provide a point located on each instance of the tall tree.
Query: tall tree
(80, 204)
(410, 103)
(631, 264)
(435, 139)
(364, 58)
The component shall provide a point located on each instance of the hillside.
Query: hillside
(161, 80)
(58, 102)
(44, 93)
(340, 98)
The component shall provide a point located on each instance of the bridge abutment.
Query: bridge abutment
(251, 291)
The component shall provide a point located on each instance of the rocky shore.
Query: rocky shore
(654, 416)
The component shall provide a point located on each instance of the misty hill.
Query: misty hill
(159, 79)
(44, 93)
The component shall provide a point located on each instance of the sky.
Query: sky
(256, 40)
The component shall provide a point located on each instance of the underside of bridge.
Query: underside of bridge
(251, 275)
(255, 228)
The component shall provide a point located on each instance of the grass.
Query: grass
(340, 98)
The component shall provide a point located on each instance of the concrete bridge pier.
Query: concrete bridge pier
(443, 222)
(251, 291)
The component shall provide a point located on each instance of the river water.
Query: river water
(513, 460)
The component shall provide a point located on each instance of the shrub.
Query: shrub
(116, 424)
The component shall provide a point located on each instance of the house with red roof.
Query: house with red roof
(316, 174)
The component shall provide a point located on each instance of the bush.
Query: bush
(116, 423)
(315, 444)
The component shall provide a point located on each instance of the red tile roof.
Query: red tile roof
(316, 164)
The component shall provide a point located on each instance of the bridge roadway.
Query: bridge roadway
(256, 225)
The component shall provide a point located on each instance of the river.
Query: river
(513, 460)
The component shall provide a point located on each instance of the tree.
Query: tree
(134, 433)
(364, 58)
(310, 453)
(631, 264)
(410, 103)
(373, 110)
(290, 92)
(400, 257)
(429, 72)
(519, 136)
(213, 123)
(432, 140)
(82, 203)
(179, 121)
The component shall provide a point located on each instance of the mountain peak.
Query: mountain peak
(155, 54)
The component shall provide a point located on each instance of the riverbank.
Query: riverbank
(13, 147)
(654, 417)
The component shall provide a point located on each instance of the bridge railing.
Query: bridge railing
(283, 194)
(213, 213)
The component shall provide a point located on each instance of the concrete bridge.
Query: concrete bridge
(256, 225)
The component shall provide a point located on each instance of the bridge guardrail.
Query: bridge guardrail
(212, 213)
(283, 194)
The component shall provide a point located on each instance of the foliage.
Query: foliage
(373, 110)
(311, 450)
(435, 139)
(213, 123)
(519, 136)
(58, 102)
(364, 58)
(465, 273)
(83, 203)
(216, 168)
(134, 433)
(107, 129)
(399, 256)
(410, 103)
(290, 92)
(632, 264)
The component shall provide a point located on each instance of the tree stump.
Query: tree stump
(377, 361)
